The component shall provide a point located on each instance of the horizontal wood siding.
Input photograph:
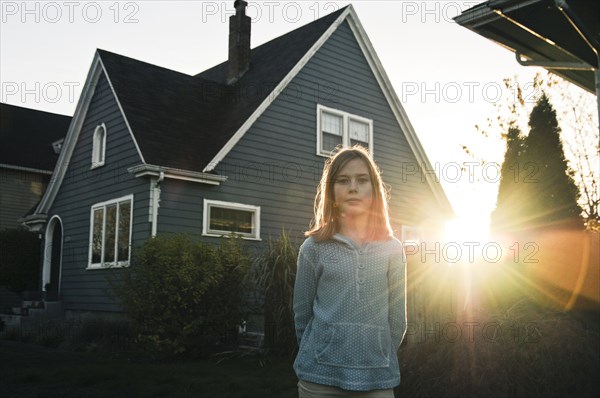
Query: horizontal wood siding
(82, 187)
(20, 191)
(275, 165)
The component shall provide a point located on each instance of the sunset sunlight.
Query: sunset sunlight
(471, 228)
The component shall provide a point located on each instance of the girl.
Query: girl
(350, 289)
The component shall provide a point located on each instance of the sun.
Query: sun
(469, 228)
(464, 238)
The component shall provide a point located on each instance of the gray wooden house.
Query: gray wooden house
(30, 141)
(237, 148)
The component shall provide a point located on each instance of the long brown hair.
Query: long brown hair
(326, 217)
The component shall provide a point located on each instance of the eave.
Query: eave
(546, 33)
(149, 170)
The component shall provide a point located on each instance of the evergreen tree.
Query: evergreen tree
(536, 184)
(510, 204)
(549, 190)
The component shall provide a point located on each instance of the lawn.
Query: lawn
(33, 371)
(529, 351)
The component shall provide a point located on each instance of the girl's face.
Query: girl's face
(353, 189)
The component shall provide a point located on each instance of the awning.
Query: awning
(562, 36)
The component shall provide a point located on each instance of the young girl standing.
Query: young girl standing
(350, 290)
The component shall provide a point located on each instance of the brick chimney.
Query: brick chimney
(239, 42)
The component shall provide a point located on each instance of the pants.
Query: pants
(307, 389)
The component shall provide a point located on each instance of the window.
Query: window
(223, 218)
(336, 127)
(110, 233)
(57, 146)
(99, 146)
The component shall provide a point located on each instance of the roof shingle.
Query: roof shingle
(26, 136)
(183, 121)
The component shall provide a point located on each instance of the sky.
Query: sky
(446, 77)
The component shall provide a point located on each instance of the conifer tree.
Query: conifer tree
(510, 204)
(548, 187)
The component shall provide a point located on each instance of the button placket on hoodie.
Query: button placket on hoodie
(360, 272)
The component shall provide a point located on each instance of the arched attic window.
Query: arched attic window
(99, 146)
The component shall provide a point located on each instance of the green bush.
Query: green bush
(184, 297)
(19, 259)
(273, 274)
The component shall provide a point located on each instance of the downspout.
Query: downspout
(156, 202)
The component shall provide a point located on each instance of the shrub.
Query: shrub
(183, 296)
(273, 274)
(19, 259)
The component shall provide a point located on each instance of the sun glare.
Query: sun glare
(468, 229)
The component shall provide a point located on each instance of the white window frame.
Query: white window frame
(99, 154)
(346, 118)
(209, 203)
(103, 205)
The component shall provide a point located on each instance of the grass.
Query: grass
(33, 371)
(531, 351)
(539, 353)
(528, 349)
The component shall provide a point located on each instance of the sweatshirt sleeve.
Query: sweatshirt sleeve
(305, 289)
(397, 297)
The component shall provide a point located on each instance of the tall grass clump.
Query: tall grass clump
(184, 297)
(523, 350)
(273, 275)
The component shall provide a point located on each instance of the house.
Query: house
(237, 148)
(30, 141)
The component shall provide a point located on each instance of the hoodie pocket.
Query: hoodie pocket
(354, 345)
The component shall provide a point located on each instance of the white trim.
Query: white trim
(89, 88)
(155, 192)
(98, 159)
(48, 246)
(346, 118)
(103, 205)
(29, 169)
(369, 52)
(34, 222)
(275, 93)
(176, 174)
(208, 203)
(122, 111)
(397, 109)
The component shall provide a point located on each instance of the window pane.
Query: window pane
(231, 220)
(97, 236)
(98, 150)
(359, 131)
(124, 227)
(331, 124)
(330, 142)
(110, 232)
(363, 144)
(101, 145)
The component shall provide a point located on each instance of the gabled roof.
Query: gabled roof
(26, 137)
(190, 123)
(562, 36)
(183, 121)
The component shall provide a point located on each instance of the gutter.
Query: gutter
(150, 170)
